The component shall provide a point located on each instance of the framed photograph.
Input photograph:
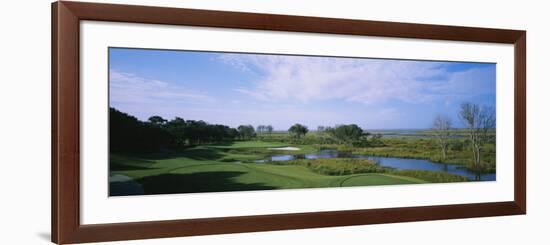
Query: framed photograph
(177, 122)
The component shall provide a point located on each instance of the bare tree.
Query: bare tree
(442, 130)
(269, 129)
(260, 129)
(479, 123)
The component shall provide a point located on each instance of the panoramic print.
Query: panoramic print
(196, 121)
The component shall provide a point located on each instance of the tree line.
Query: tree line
(348, 134)
(128, 134)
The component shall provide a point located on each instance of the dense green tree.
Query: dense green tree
(177, 128)
(346, 133)
(246, 132)
(128, 134)
(157, 120)
(298, 130)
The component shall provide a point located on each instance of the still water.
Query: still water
(392, 162)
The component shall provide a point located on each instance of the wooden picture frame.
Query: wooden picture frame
(66, 226)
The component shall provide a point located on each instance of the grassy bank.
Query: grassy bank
(347, 166)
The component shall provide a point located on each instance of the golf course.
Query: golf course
(184, 121)
(216, 168)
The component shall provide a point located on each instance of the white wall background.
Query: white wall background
(25, 121)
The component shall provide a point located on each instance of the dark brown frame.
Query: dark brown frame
(66, 227)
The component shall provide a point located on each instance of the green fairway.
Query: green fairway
(248, 144)
(227, 167)
(378, 179)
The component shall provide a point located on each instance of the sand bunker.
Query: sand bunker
(288, 148)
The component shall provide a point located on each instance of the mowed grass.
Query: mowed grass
(378, 179)
(248, 144)
(227, 167)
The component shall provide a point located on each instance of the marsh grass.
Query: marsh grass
(426, 148)
(337, 166)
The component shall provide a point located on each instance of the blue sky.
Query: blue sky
(235, 89)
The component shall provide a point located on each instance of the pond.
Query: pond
(392, 162)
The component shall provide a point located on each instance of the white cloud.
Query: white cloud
(257, 95)
(361, 80)
(472, 81)
(129, 88)
(144, 97)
